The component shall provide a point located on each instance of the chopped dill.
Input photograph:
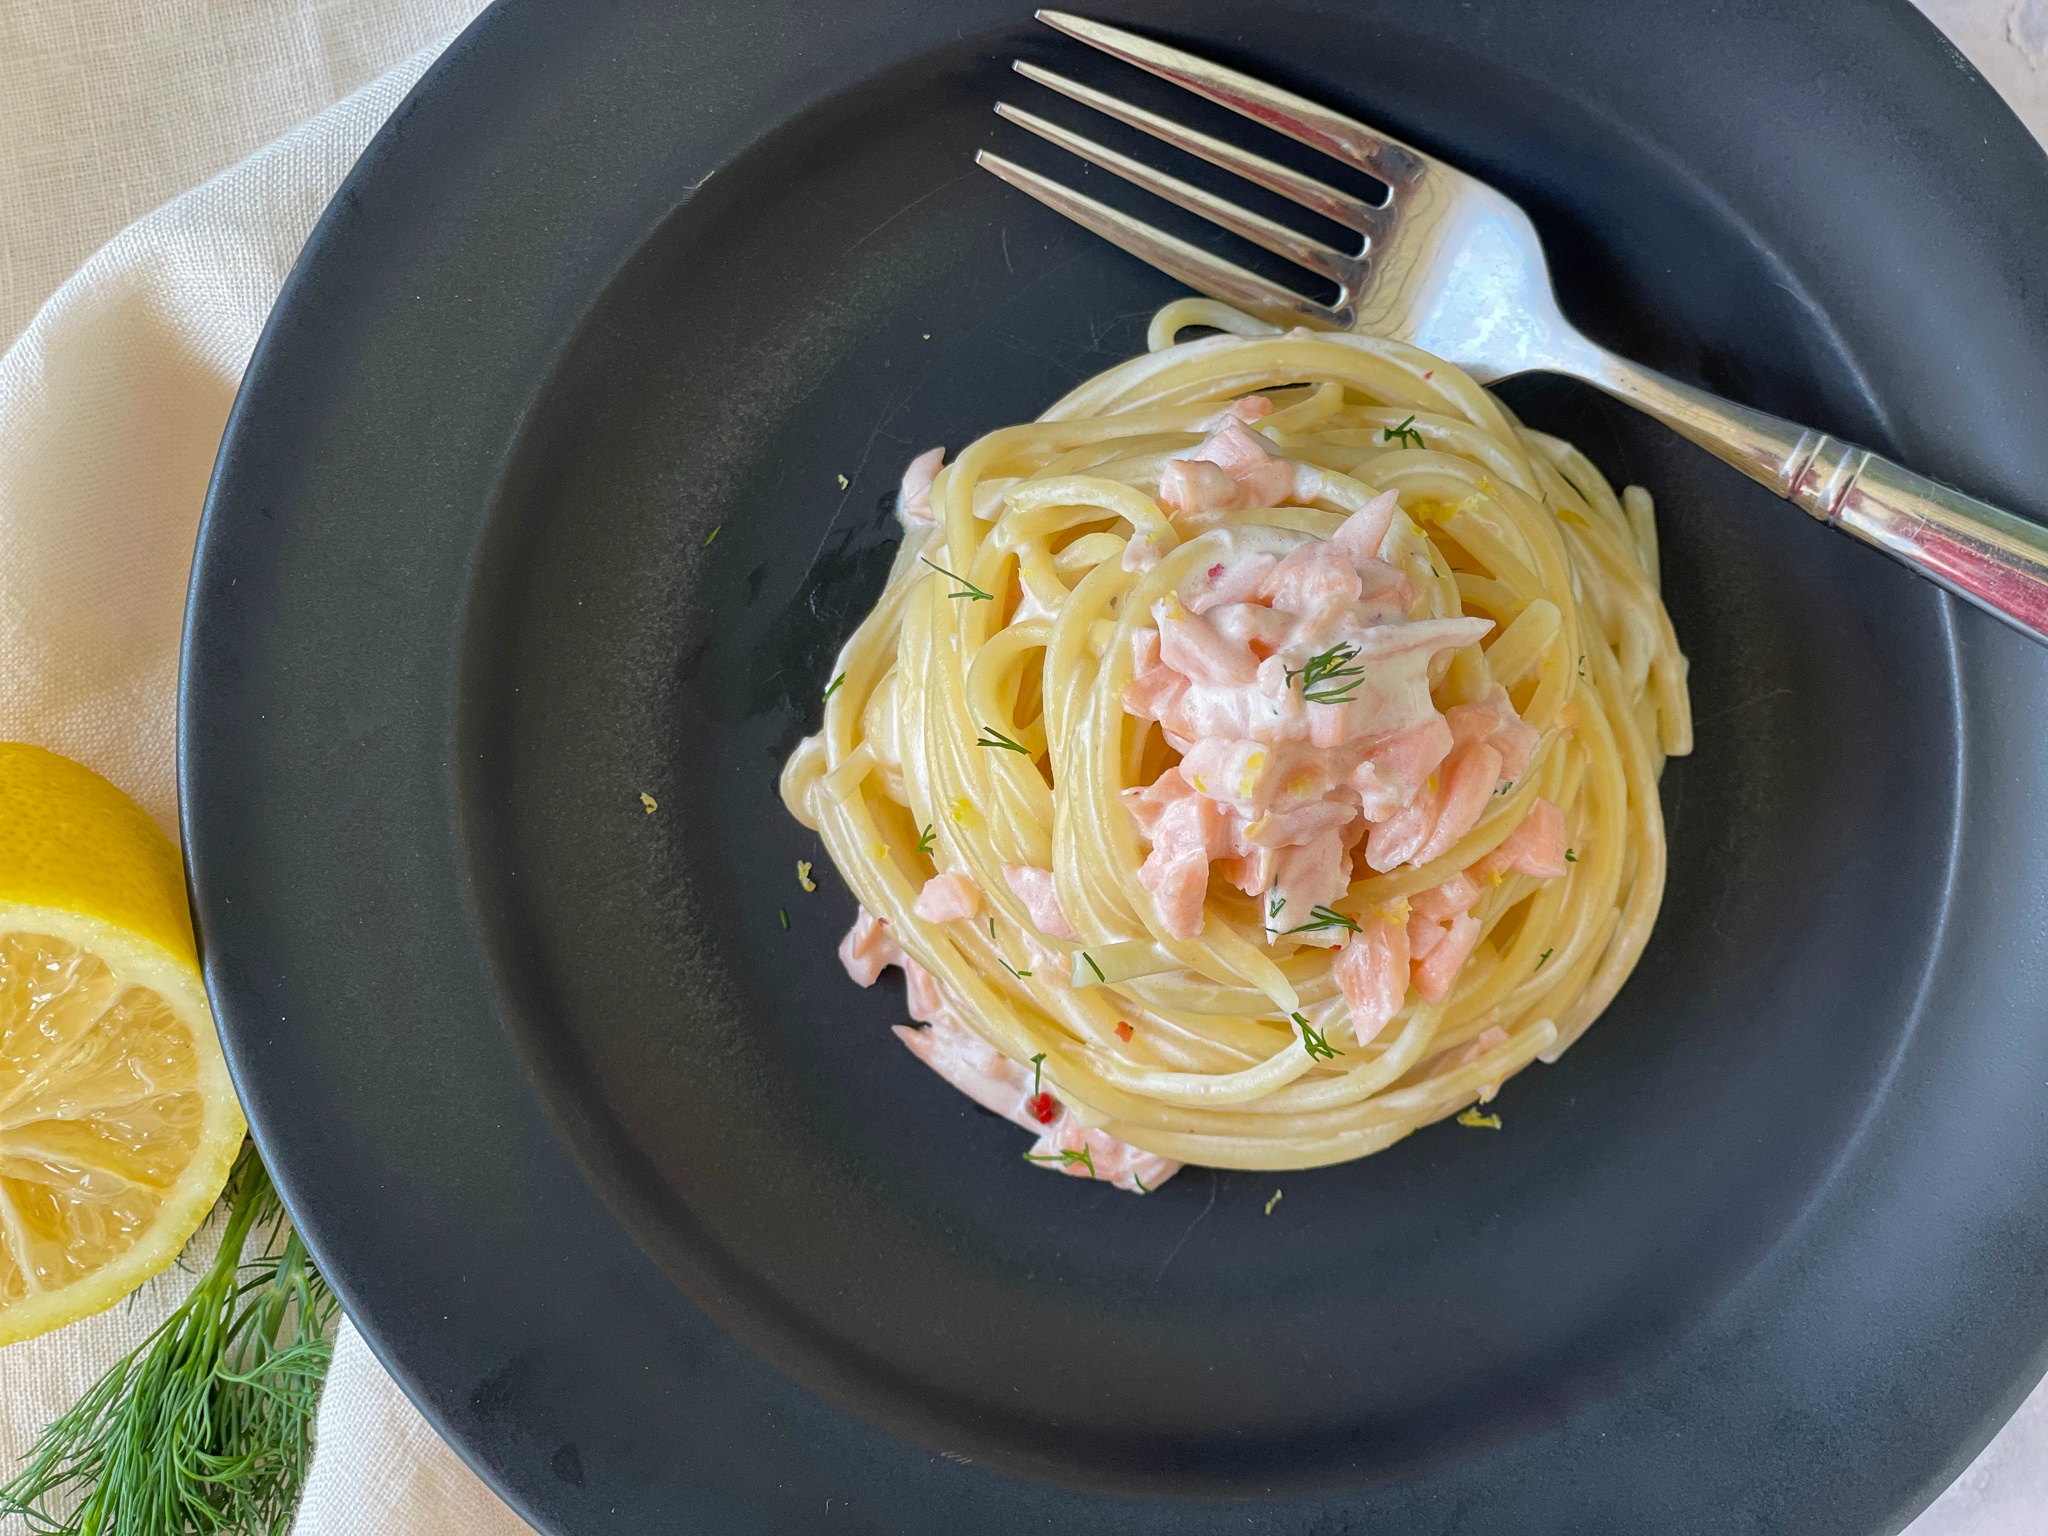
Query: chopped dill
(924, 839)
(1312, 1041)
(1479, 1122)
(1274, 1201)
(991, 737)
(972, 592)
(1089, 961)
(1020, 975)
(1328, 678)
(1324, 917)
(1405, 434)
(1570, 857)
(784, 915)
(1037, 1073)
(832, 687)
(1065, 1159)
(1540, 959)
(1274, 910)
(710, 536)
(1140, 1183)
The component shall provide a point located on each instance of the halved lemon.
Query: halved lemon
(118, 1123)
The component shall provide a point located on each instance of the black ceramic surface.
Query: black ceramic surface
(632, 1188)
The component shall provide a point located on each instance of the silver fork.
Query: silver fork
(1452, 266)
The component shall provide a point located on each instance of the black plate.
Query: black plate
(631, 1187)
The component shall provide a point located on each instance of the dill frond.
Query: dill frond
(1327, 678)
(206, 1429)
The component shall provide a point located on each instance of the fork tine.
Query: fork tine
(1194, 266)
(1318, 127)
(1337, 207)
(1277, 238)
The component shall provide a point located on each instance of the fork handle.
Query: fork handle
(1982, 554)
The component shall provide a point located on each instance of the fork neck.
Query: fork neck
(1768, 449)
(1983, 554)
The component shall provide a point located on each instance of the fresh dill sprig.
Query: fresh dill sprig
(1065, 1159)
(972, 594)
(1405, 434)
(1312, 1041)
(924, 839)
(1324, 917)
(1327, 678)
(1037, 1073)
(991, 737)
(1540, 959)
(832, 687)
(206, 1429)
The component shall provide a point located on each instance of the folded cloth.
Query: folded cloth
(111, 407)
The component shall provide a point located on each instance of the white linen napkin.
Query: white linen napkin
(112, 403)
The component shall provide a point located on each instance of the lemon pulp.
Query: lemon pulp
(118, 1122)
(100, 1111)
